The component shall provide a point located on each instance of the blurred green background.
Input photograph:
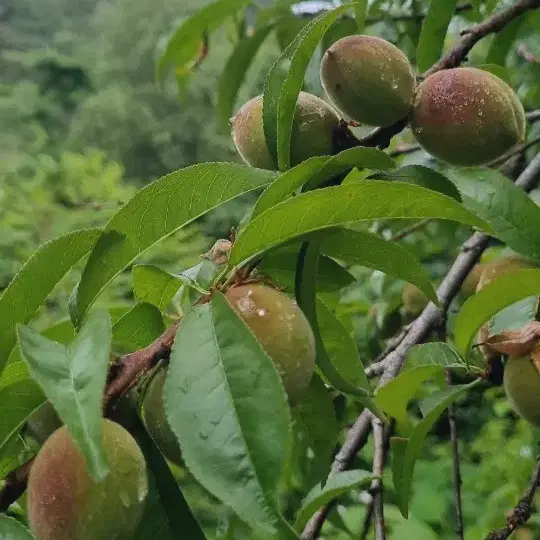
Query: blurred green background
(83, 125)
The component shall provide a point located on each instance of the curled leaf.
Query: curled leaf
(516, 342)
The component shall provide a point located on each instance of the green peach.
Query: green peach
(65, 503)
(314, 126)
(368, 79)
(283, 331)
(414, 300)
(156, 421)
(522, 386)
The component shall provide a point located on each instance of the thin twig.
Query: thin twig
(533, 116)
(527, 55)
(430, 317)
(377, 485)
(473, 35)
(411, 229)
(519, 149)
(128, 369)
(521, 513)
(455, 464)
(405, 149)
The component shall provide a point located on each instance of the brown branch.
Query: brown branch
(419, 329)
(128, 369)
(473, 35)
(377, 485)
(521, 513)
(455, 464)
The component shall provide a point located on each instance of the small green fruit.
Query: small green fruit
(522, 385)
(315, 123)
(64, 503)
(43, 423)
(414, 300)
(471, 281)
(368, 79)
(283, 331)
(466, 116)
(156, 420)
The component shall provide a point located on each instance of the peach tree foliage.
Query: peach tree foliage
(246, 371)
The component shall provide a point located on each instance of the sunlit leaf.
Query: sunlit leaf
(155, 212)
(73, 378)
(226, 404)
(35, 280)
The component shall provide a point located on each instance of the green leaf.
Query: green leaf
(226, 404)
(11, 529)
(234, 72)
(338, 483)
(425, 177)
(280, 267)
(17, 369)
(18, 401)
(139, 327)
(73, 378)
(306, 296)
(315, 171)
(495, 296)
(281, 91)
(35, 280)
(155, 212)
(154, 285)
(335, 206)
(502, 42)
(356, 247)
(361, 14)
(184, 45)
(316, 418)
(513, 216)
(180, 519)
(406, 452)
(514, 317)
(341, 347)
(423, 363)
(433, 33)
(153, 523)
(502, 72)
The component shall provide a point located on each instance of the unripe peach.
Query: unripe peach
(414, 300)
(315, 123)
(64, 503)
(471, 281)
(466, 116)
(522, 386)
(368, 79)
(283, 331)
(500, 267)
(156, 420)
